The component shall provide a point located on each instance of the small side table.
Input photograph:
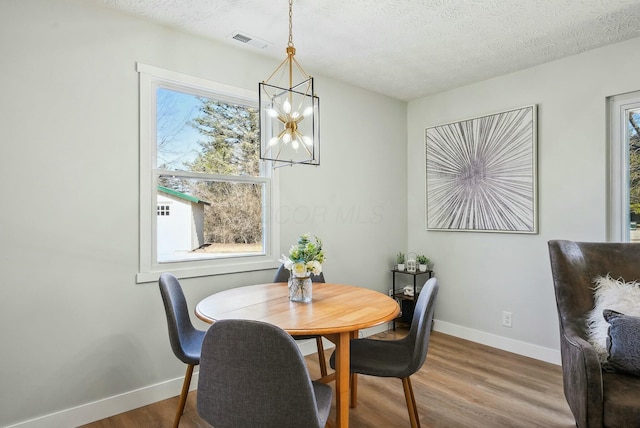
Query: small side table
(407, 303)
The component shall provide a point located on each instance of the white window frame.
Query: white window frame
(150, 78)
(618, 198)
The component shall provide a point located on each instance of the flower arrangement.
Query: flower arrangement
(305, 257)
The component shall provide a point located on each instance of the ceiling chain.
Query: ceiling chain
(290, 23)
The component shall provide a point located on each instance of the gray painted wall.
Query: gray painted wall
(483, 274)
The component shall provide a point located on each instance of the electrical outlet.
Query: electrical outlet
(390, 292)
(506, 318)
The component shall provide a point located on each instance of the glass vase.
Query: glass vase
(300, 289)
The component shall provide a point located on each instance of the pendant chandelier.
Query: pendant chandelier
(289, 112)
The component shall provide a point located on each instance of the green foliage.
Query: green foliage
(306, 250)
(422, 259)
(400, 257)
(230, 142)
(229, 146)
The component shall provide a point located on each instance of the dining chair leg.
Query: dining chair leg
(353, 388)
(183, 395)
(411, 403)
(321, 357)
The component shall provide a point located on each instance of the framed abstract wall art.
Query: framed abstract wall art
(481, 173)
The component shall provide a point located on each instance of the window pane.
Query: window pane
(209, 219)
(633, 132)
(196, 133)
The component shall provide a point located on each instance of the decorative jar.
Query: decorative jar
(300, 289)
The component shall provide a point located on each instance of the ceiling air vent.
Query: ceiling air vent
(249, 40)
(242, 38)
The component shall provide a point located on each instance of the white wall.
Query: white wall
(483, 274)
(74, 325)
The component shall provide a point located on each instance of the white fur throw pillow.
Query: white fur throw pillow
(617, 295)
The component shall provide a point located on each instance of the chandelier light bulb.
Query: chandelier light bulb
(307, 140)
(295, 144)
(286, 138)
(286, 106)
(308, 111)
(272, 112)
(273, 141)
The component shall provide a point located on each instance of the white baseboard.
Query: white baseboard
(124, 402)
(94, 411)
(511, 345)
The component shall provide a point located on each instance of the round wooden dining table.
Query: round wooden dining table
(337, 312)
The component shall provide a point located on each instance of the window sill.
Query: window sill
(182, 272)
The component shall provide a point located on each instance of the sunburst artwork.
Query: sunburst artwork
(481, 173)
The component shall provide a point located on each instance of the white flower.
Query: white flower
(315, 267)
(299, 270)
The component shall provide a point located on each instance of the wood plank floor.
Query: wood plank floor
(462, 384)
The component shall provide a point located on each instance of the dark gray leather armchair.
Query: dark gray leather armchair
(597, 398)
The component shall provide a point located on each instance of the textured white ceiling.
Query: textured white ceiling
(407, 48)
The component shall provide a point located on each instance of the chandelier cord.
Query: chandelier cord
(290, 23)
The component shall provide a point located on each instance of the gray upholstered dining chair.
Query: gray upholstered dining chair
(186, 340)
(252, 374)
(282, 275)
(597, 398)
(397, 358)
